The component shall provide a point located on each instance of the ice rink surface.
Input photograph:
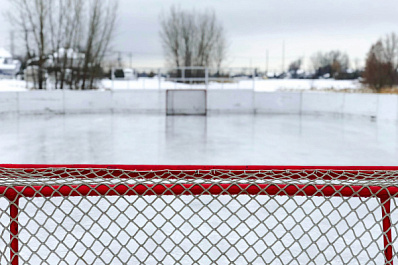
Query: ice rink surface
(167, 229)
(215, 139)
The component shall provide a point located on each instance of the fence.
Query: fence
(86, 214)
(187, 77)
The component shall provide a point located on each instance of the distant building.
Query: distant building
(124, 73)
(8, 66)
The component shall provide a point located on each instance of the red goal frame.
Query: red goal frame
(326, 190)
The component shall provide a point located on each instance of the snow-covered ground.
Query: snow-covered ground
(303, 84)
(258, 84)
(12, 85)
(240, 230)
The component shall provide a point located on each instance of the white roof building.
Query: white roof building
(8, 66)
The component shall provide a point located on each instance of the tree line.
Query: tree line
(380, 71)
(333, 64)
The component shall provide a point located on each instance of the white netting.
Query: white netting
(176, 216)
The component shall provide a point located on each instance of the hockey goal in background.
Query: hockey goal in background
(90, 214)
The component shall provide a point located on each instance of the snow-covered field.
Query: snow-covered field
(259, 84)
(12, 85)
(240, 230)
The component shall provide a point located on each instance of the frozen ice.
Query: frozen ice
(215, 139)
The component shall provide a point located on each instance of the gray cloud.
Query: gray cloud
(254, 26)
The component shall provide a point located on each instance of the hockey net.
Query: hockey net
(197, 215)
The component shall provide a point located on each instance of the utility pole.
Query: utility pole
(283, 56)
(119, 58)
(131, 60)
(12, 43)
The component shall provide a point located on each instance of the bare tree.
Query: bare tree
(295, 66)
(171, 36)
(390, 49)
(65, 32)
(69, 38)
(382, 63)
(220, 50)
(190, 38)
(333, 63)
(101, 22)
(31, 18)
(339, 63)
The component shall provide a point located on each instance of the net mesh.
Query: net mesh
(61, 215)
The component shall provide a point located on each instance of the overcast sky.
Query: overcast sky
(253, 26)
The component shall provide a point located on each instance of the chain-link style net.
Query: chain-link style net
(207, 216)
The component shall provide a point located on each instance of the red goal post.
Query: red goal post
(252, 214)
